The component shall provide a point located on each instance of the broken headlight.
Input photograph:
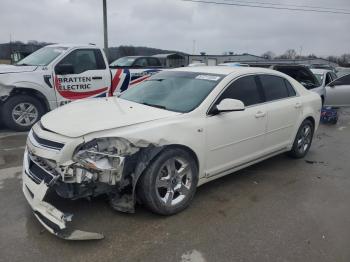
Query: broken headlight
(103, 154)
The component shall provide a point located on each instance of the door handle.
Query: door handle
(96, 77)
(298, 105)
(260, 114)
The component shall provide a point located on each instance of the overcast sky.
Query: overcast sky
(174, 25)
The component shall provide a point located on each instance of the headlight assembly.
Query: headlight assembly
(104, 154)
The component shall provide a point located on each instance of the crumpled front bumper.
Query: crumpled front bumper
(50, 217)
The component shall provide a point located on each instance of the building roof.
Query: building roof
(171, 55)
(244, 56)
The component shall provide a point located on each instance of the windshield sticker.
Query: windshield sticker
(58, 50)
(208, 77)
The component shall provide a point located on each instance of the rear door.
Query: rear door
(283, 110)
(338, 92)
(86, 75)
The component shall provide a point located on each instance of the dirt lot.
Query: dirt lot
(278, 210)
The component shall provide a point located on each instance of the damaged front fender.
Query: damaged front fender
(5, 92)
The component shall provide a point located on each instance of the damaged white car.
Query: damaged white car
(161, 139)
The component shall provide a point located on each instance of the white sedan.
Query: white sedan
(163, 138)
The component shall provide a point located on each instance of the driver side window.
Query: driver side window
(141, 62)
(83, 60)
(345, 80)
(245, 89)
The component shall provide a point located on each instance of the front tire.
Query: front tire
(169, 183)
(21, 112)
(303, 140)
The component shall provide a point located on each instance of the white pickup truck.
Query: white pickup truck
(56, 75)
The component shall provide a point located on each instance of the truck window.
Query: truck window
(153, 62)
(141, 62)
(84, 59)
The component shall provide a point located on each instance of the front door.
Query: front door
(338, 92)
(81, 74)
(235, 138)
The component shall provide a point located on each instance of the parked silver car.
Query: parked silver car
(325, 77)
(338, 92)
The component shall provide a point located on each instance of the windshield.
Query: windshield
(174, 91)
(124, 61)
(42, 57)
(319, 77)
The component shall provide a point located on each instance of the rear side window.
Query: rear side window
(274, 87)
(141, 62)
(153, 62)
(244, 89)
(291, 90)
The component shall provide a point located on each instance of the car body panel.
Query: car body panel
(338, 92)
(220, 143)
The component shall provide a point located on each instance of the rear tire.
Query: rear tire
(303, 140)
(169, 183)
(21, 112)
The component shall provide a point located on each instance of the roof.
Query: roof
(73, 45)
(167, 55)
(226, 70)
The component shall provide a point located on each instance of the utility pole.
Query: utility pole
(105, 28)
(11, 58)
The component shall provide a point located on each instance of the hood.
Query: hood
(97, 114)
(6, 69)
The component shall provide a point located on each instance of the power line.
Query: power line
(267, 7)
(289, 5)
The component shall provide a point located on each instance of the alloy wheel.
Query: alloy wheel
(174, 181)
(25, 114)
(304, 139)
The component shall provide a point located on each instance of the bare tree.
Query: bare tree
(269, 55)
(290, 54)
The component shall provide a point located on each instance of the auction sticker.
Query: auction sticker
(208, 77)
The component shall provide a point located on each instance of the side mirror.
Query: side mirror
(229, 105)
(64, 69)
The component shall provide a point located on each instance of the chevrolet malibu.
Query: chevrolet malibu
(160, 140)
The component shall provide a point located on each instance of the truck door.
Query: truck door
(81, 74)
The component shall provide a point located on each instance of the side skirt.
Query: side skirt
(208, 178)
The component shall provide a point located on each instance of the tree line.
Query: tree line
(342, 60)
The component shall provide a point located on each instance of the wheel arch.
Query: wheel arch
(312, 119)
(157, 151)
(33, 93)
(187, 149)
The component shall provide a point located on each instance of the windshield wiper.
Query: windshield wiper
(24, 64)
(154, 105)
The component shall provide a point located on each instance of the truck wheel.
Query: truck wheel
(169, 183)
(21, 112)
(303, 140)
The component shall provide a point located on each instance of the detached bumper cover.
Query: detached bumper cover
(50, 217)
